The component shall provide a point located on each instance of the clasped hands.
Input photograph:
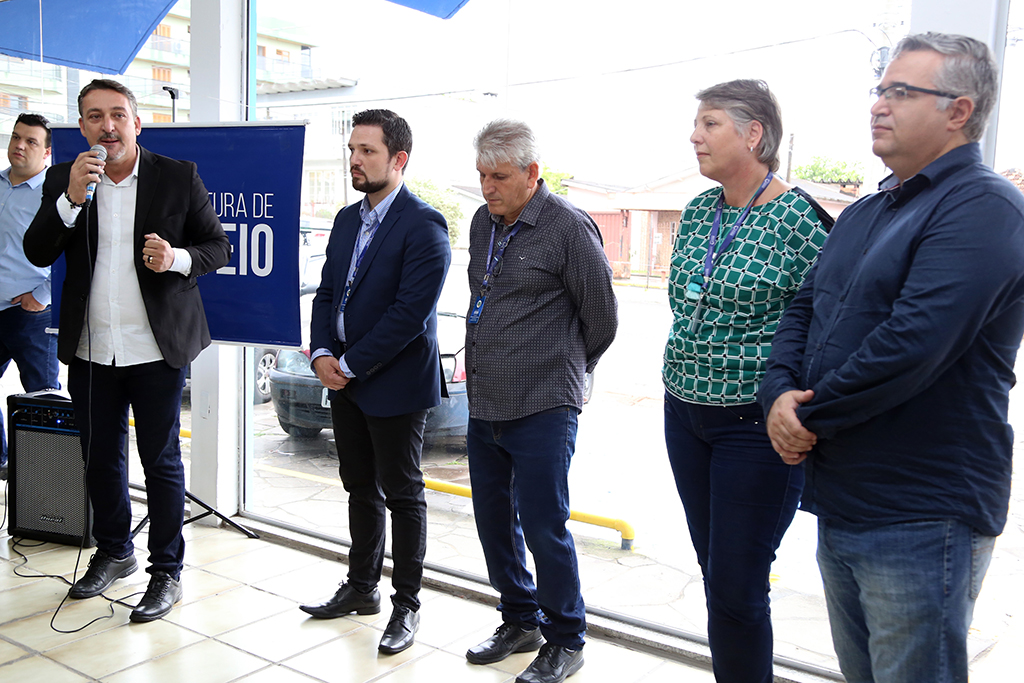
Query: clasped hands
(790, 438)
(328, 370)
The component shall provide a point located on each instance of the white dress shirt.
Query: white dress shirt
(117, 329)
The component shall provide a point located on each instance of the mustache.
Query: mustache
(110, 137)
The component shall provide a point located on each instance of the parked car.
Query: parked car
(301, 404)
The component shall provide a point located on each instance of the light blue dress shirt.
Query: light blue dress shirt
(18, 206)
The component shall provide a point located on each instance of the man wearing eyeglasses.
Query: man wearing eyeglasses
(542, 313)
(890, 372)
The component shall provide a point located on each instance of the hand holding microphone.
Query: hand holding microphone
(85, 173)
(101, 155)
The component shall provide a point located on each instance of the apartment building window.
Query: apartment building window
(284, 55)
(162, 118)
(163, 30)
(323, 187)
(341, 121)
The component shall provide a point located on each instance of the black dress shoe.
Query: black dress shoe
(509, 638)
(159, 599)
(103, 570)
(553, 665)
(345, 601)
(398, 636)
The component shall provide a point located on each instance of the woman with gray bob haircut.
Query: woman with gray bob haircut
(740, 256)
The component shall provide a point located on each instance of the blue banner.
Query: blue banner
(253, 173)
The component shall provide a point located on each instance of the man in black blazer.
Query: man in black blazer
(374, 345)
(131, 320)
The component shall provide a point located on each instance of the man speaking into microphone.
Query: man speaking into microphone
(131, 320)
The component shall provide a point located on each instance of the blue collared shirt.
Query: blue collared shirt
(907, 330)
(18, 206)
(371, 220)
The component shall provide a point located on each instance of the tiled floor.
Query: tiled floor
(239, 621)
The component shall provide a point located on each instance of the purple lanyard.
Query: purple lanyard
(712, 256)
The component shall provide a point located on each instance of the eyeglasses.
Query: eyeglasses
(900, 92)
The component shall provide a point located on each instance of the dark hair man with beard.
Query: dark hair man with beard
(374, 346)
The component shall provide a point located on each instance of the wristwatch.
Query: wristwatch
(72, 201)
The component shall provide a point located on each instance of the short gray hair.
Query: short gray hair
(968, 70)
(108, 84)
(506, 141)
(746, 101)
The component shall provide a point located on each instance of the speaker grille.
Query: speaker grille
(47, 493)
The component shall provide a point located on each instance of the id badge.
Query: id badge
(693, 291)
(478, 305)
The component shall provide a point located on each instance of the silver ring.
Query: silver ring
(150, 259)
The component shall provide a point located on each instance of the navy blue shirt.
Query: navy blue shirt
(907, 330)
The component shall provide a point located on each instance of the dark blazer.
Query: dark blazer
(172, 202)
(390, 318)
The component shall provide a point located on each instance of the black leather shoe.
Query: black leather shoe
(103, 570)
(398, 636)
(509, 638)
(159, 599)
(553, 665)
(345, 601)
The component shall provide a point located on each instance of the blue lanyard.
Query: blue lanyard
(712, 256)
(359, 260)
(492, 258)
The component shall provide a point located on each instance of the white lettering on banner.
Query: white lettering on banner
(255, 250)
(261, 205)
(228, 205)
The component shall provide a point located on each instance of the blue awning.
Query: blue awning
(445, 9)
(95, 36)
(105, 36)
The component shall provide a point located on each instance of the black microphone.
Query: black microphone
(90, 189)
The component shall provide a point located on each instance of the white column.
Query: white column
(982, 19)
(219, 77)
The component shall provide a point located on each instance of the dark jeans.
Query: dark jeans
(520, 476)
(153, 390)
(739, 499)
(24, 340)
(379, 464)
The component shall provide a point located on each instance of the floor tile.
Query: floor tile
(32, 598)
(230, 610)
(448, 619)
(278, 674)
(120, 648)
(260, 564)
(218, 546)
(9, 652)
(287, 634)
(311, 584)
(353, 658)
(204, 662)
(603, 661)
(441, 666)
(41, 669)
(35, 632)
(674, 672)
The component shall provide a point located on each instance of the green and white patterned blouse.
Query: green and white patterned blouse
(723, 360)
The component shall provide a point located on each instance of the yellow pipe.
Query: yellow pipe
(623, 527)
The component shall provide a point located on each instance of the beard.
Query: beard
(368, 186)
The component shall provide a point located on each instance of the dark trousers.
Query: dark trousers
(739, 499)
(101, 395)
(24, 340)
(379, 464)
(519, 470)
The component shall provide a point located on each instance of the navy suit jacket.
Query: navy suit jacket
(171, 202)
(390, 317)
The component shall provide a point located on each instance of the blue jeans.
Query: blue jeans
(24, 340)
(901, 597)
(739, 499)
(519, 471)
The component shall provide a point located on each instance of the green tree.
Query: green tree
(444, 200)
(553, 179)
(828, 170)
